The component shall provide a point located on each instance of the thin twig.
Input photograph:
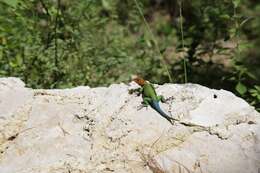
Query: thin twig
(182, 42)
(55, 30)
(154, 40)
(49, 33)
(56, 43)
(45, 7)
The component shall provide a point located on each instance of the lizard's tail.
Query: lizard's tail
(155, 106)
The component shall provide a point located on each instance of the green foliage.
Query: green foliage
(12, 3)
(62, 43)
(255, 92)
(241, 88)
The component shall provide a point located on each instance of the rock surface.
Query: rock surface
(83, 130)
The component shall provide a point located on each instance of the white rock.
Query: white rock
(101, 130)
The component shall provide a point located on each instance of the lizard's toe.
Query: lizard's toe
(141, 107)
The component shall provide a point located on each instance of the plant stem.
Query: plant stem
(154, 40)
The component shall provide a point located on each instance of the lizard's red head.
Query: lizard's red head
(139, 81)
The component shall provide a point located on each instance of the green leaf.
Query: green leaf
(236, 3)
(225, 16)
(106, 5)
(257, 88)
(12, 3)
(241, 88)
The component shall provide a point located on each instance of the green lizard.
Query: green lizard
(151, 98)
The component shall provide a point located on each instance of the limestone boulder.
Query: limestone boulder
(103, 129)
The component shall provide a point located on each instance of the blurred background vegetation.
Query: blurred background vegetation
(64, 43)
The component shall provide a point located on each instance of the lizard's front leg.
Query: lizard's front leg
(138, 91)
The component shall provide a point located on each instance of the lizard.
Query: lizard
(151, 98)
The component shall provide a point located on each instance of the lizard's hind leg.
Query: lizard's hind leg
(161, 98)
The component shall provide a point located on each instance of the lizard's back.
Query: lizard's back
(148, 91)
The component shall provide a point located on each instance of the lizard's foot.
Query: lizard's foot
(170, 98)
(141, 107)
(137, 91)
